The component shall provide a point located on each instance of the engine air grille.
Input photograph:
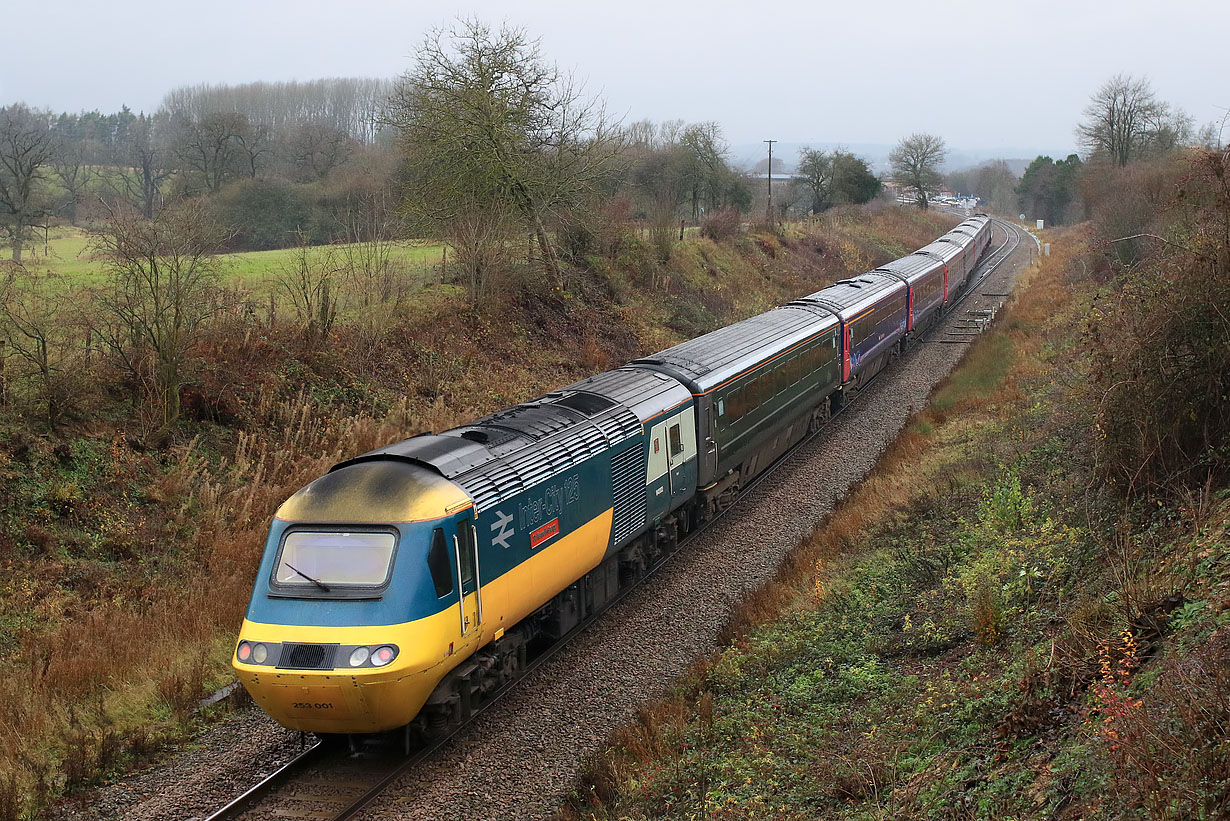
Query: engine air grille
(307, 656)
(628, 492)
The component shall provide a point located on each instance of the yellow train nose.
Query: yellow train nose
(340, 702)
(348, 679)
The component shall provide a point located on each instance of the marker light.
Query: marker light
(383, 656)
(244, 652)
(259, 653)
(359, 656)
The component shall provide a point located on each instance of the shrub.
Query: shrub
(264, 214)
(662, 238)
(721, 225)
(1166, 749)
(1126, 201)
(1161, 349)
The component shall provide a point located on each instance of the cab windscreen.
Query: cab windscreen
(322, 559)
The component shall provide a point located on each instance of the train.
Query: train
(406, 586)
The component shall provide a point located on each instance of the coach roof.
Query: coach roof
(707, 361)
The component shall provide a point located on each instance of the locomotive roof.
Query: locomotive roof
(647, 393)
(848, 297)
(707, 361)
(516, 448)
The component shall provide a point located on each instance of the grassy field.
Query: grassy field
(67, 252)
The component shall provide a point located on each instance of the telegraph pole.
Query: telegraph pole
(769, 210)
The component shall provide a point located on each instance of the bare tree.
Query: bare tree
(309, 279)
(163, 276)
(75, 174)
(479, 236)
(27, 146)
(314, 149)
(706, 169)
(211, 147)
(254, 144)
(815, 170)
(994, 182)
(351, 105)
(674, 165)
(916, 164)
(1125, 121)
(484, 118)
(40, 322)
(367, 255)
(1117, 118)
(148, 158)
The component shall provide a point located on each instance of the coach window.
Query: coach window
(438, 564)
(676, 440)
(738, 404)
(764, 388)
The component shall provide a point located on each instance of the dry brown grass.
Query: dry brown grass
(114, 666)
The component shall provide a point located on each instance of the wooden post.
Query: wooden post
(444, 264)
(4, 387)
(681, 230)
(272, 311)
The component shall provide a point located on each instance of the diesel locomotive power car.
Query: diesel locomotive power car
(407, 584)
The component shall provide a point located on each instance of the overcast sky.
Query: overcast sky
(982, 74)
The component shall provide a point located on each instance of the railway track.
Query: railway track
(335, 781)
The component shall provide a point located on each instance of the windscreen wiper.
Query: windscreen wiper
(316, 582)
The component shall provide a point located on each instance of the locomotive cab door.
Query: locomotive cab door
(465, 546)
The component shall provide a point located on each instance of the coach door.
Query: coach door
(680, 449)
(466, 546)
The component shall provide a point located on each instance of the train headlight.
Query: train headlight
(359, 656)
(259, 653)
(383, 656)
(244, 652)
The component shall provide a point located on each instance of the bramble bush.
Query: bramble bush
(1160, 344)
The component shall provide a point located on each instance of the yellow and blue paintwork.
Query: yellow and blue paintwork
(516, 579)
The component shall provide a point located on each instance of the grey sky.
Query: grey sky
(981, 74)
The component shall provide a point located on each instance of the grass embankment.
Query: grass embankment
(68, 253)
(974, 633)
(127, 566)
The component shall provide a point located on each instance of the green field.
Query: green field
(67, 252)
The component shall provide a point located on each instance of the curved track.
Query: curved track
(332, 783)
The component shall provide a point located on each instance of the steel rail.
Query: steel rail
(267, 784)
